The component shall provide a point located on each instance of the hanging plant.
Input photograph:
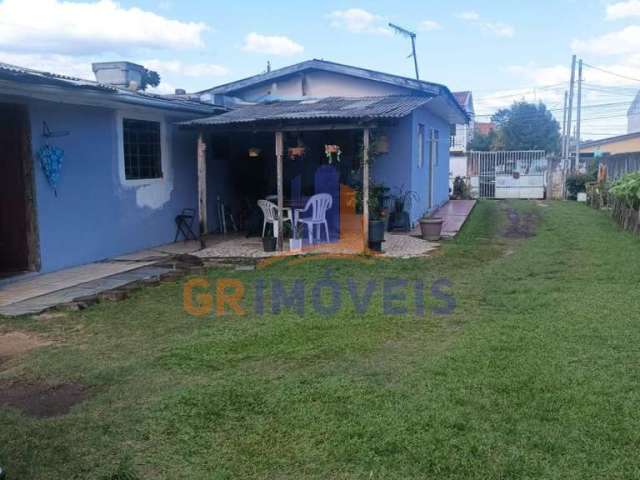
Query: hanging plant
(296, 152)
(330, 151)
(254, 152)
(51, 162)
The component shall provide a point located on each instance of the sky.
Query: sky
(500, 50)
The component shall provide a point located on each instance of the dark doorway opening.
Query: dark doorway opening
(17, 227)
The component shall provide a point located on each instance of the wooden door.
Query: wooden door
(14, 250)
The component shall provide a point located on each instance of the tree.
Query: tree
(526, 126)
(481, 142)
(150, 79)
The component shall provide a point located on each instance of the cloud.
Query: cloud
(90, 27)
(498, 29)
(272, 45)
(469, 16)
(616, 11)
(625, 41)
(429, 25)
(186, 69)
(357, 20)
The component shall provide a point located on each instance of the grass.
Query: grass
(534, 374)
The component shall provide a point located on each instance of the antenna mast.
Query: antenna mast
(412, 35)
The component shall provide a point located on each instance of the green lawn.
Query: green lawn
(535, 374)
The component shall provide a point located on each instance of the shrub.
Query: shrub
(627, 190)
(577, 183)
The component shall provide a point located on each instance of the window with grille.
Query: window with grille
(142, 149)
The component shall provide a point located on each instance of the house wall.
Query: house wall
(624, 146)
(400, 167)
(96, 213)
(321, 84)
(420, 175)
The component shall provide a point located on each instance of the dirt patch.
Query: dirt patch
(520, 225)
(16, 343)
(41, 400)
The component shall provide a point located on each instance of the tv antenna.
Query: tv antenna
(412, 35)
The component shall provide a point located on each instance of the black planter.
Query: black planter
(399, 221)
(376, 235)
(376, 230)
(269, 244)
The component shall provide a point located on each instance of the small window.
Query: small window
(142, 149)
(420, 145)
(435, 138)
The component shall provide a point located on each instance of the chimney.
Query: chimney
(119, 74)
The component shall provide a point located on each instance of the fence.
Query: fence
(507, 174)
(621, 164)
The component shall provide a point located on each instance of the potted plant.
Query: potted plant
(378, 196)
(269, 242)
(402, 202)
(431, 228)
(295, 242)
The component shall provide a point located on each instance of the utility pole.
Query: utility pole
(579, 115)
(412, 35)
(570, 110)
(564, 124)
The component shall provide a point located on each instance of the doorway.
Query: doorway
(17, 246)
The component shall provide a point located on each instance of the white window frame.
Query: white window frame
(434, 144)
(164, 146)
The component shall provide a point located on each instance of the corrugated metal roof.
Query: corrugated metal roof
(429, 88)
(28, 75)
(329, 108)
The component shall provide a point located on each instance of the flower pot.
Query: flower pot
(295, 244)
(376, 230)
(269, 244)
(431, 228)
(295, 152)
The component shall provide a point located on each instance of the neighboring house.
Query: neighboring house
(628, 143)
(463, 132)
(322, 101)
(484, 128)
(633, 115)
(126, 171)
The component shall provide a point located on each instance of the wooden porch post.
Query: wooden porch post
(279, 152)
(365, 188)
(202, 188)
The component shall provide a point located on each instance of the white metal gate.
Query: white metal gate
(507, 174)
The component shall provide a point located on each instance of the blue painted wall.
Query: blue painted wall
(94, 216)
(420, 175)
(400, 167)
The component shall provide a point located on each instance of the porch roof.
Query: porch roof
(335, 109)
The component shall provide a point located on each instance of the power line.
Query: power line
(612, 73)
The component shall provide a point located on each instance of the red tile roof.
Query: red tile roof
(484, 128)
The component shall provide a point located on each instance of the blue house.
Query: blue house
(315, 103)
(126, 170)
(131, 161)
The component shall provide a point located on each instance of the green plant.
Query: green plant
(577, 183)
(403, 199)
(460, 189)
(378, 196)
(627, 189)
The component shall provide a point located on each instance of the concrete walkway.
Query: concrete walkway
(36, 293)
(454, 213)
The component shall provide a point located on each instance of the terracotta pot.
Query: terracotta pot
(431, 228)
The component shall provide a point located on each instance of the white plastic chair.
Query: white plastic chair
(270, 212)
(318, 204)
